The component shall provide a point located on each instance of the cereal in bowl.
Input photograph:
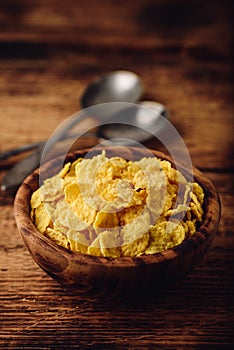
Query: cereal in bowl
(112, 207)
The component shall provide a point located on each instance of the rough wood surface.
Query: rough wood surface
(49, 52)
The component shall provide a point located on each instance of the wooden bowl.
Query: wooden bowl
(98, 275)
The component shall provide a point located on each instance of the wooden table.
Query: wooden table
(49, 52)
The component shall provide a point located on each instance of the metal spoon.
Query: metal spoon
(100, 91)
(136, 123)
(117, 86)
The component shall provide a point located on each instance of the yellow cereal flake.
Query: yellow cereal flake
(79, 241)
(137, 247)
(196, 212)
(75, 165)
(109, 192)
(136, 227)
(181, 208)
(127, 215)
(71, 192)
(57, 237)
(42, 219)
(64, 218)
(189, 227)
(65, 170)
(107, 243)
(52, 188)
(112, 207)
(83, 211)
(130, 172)
(36, 199)
(105, 220)
(198, 191)
(165, 235)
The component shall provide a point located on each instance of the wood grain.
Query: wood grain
(49, 52)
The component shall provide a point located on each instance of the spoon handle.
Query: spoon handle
(17, 174)
(22, 169)
(14, 151)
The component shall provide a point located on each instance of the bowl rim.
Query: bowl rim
(28, 230)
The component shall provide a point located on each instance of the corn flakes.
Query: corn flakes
(112, 207)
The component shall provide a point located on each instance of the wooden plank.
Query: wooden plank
(39, 306)
(32, 304)
(31, 97)
(149, 22)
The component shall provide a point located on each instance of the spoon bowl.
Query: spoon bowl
(116, 86)
(137, 122)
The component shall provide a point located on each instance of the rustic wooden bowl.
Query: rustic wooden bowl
(95, 275)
